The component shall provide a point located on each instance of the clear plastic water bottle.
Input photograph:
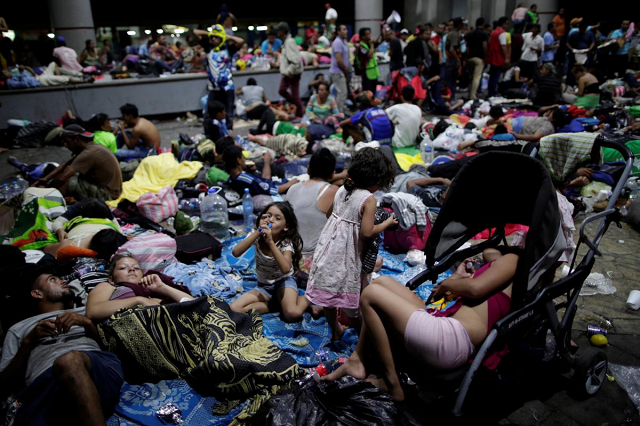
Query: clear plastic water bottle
(15, 188)
(426, 150)
(247, 210)
(214, 215)
(22, 183)
(4, 192)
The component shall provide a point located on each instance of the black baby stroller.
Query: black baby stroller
(490, 191)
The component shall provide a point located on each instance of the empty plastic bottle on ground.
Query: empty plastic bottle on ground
(214, 217)
(22, 183)
(4, 192)
(15, 188)
(247, 210)
(426, 150)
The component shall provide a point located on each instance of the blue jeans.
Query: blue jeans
(163, 66)
(451, 76)
(494, 78)
(46, 401)
(271, 289)
(124, 153)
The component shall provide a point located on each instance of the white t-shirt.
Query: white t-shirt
(508, 75)
(502, 38)
(331, 14)
(407, 127)
(308, 57)
(49, 348)
(530, 42)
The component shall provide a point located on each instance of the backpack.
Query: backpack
(399, 241)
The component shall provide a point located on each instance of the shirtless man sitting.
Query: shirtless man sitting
(140, 137)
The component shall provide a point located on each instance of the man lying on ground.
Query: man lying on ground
(54, 361)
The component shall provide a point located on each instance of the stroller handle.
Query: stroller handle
(618, 145)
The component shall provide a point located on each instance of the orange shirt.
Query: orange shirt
(558, 21)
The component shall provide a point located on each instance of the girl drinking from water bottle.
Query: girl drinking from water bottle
(277, 246)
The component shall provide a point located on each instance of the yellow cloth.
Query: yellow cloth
(154, 173)
(405, 161)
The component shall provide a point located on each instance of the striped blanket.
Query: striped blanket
(564, 153)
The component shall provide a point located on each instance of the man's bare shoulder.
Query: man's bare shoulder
(143, 123)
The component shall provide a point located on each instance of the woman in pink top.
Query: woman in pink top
(441, 339)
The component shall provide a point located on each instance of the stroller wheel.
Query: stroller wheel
(589, 372)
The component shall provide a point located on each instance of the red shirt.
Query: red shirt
(494, 52)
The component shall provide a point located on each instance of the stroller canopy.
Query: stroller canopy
(495, 189)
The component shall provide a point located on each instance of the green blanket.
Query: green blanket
(32, 229)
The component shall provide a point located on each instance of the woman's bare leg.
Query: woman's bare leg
(383, 312)
(354, 366)
(400, 290)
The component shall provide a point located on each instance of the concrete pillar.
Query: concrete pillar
(369, 14)
(547, 9)
(418, 12)
(72, 19)
(459, 8)
(475, 12)
(498, 10)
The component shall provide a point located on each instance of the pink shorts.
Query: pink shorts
(441, 342)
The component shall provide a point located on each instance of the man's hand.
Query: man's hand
(121, 127)
(44, 328)
(62, 234)
(66, 320)
(586, 172)
(266, 156)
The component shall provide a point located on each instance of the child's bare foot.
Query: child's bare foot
(338, 332)
(316, 311)
(378, 266)
(353, 367)
(69, 114)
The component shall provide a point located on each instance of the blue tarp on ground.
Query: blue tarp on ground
(227, 278)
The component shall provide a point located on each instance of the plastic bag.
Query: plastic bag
(594, 188)
(597, 284)
(629, 379)
(347, 400)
